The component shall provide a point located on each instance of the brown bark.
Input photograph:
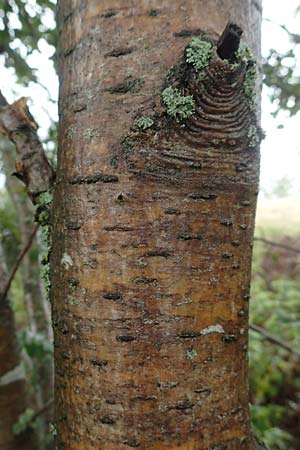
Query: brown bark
(13, 400)
(152, 231)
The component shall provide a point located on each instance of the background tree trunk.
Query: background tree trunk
(152, 231)
(35, 302)
(13, 400)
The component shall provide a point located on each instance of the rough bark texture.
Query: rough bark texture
(12, 381)
(152, 230)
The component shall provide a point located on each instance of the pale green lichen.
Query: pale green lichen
(67, 261)
(253, 136)
(178, 106)
(212, 329)
(24, 421)
(144, 122)
(43, 208)
(52, 429)
(245, 56)
(191, 354)
(42, 216)
(199, 54)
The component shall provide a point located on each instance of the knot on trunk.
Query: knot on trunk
(205, 126)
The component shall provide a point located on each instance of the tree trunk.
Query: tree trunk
(37, 308)
(153, 220)
(36, 304)
(13, 400)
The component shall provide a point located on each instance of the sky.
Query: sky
(280, 151)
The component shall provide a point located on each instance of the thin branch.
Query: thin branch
(295, 37)
(276, 244)
(270, 337)
(18, 262)
(43, 409)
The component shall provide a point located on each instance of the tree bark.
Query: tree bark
(13, 401)
(152, 227)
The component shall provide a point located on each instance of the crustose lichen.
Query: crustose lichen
(42, 216)
(245, 56)
(178, 106)
(253, 136)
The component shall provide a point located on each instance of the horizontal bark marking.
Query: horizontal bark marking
(203, 390)
(229, 338)
(109, 13)
(132, 443)
(146, 398)
(227, 255)
(185, 236)
(118, 228)
(161, 253)
(106, 420)
(145, 280)
(99, 363)
(96, 178)
(226, 222)
(120, 51)
(202, 196)
(183, 406)
(112, 296)
(125, 338)
(130, 85)
(187, 33)
(172, 211)
(165, 385)
(190, 334)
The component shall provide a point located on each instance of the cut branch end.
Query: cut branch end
(229, 41)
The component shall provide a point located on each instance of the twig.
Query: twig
(270, 337)
(276, 244)
(43, 409)
(18, 262)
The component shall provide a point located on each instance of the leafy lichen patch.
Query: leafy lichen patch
(178, 106)
(244, 56)
(144, 122)
(199, 54)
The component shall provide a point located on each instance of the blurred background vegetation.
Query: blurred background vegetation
(27, 35)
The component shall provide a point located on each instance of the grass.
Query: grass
(278, 217)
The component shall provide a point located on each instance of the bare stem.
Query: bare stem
(18, 262)
(270, 337)
(276, 244)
